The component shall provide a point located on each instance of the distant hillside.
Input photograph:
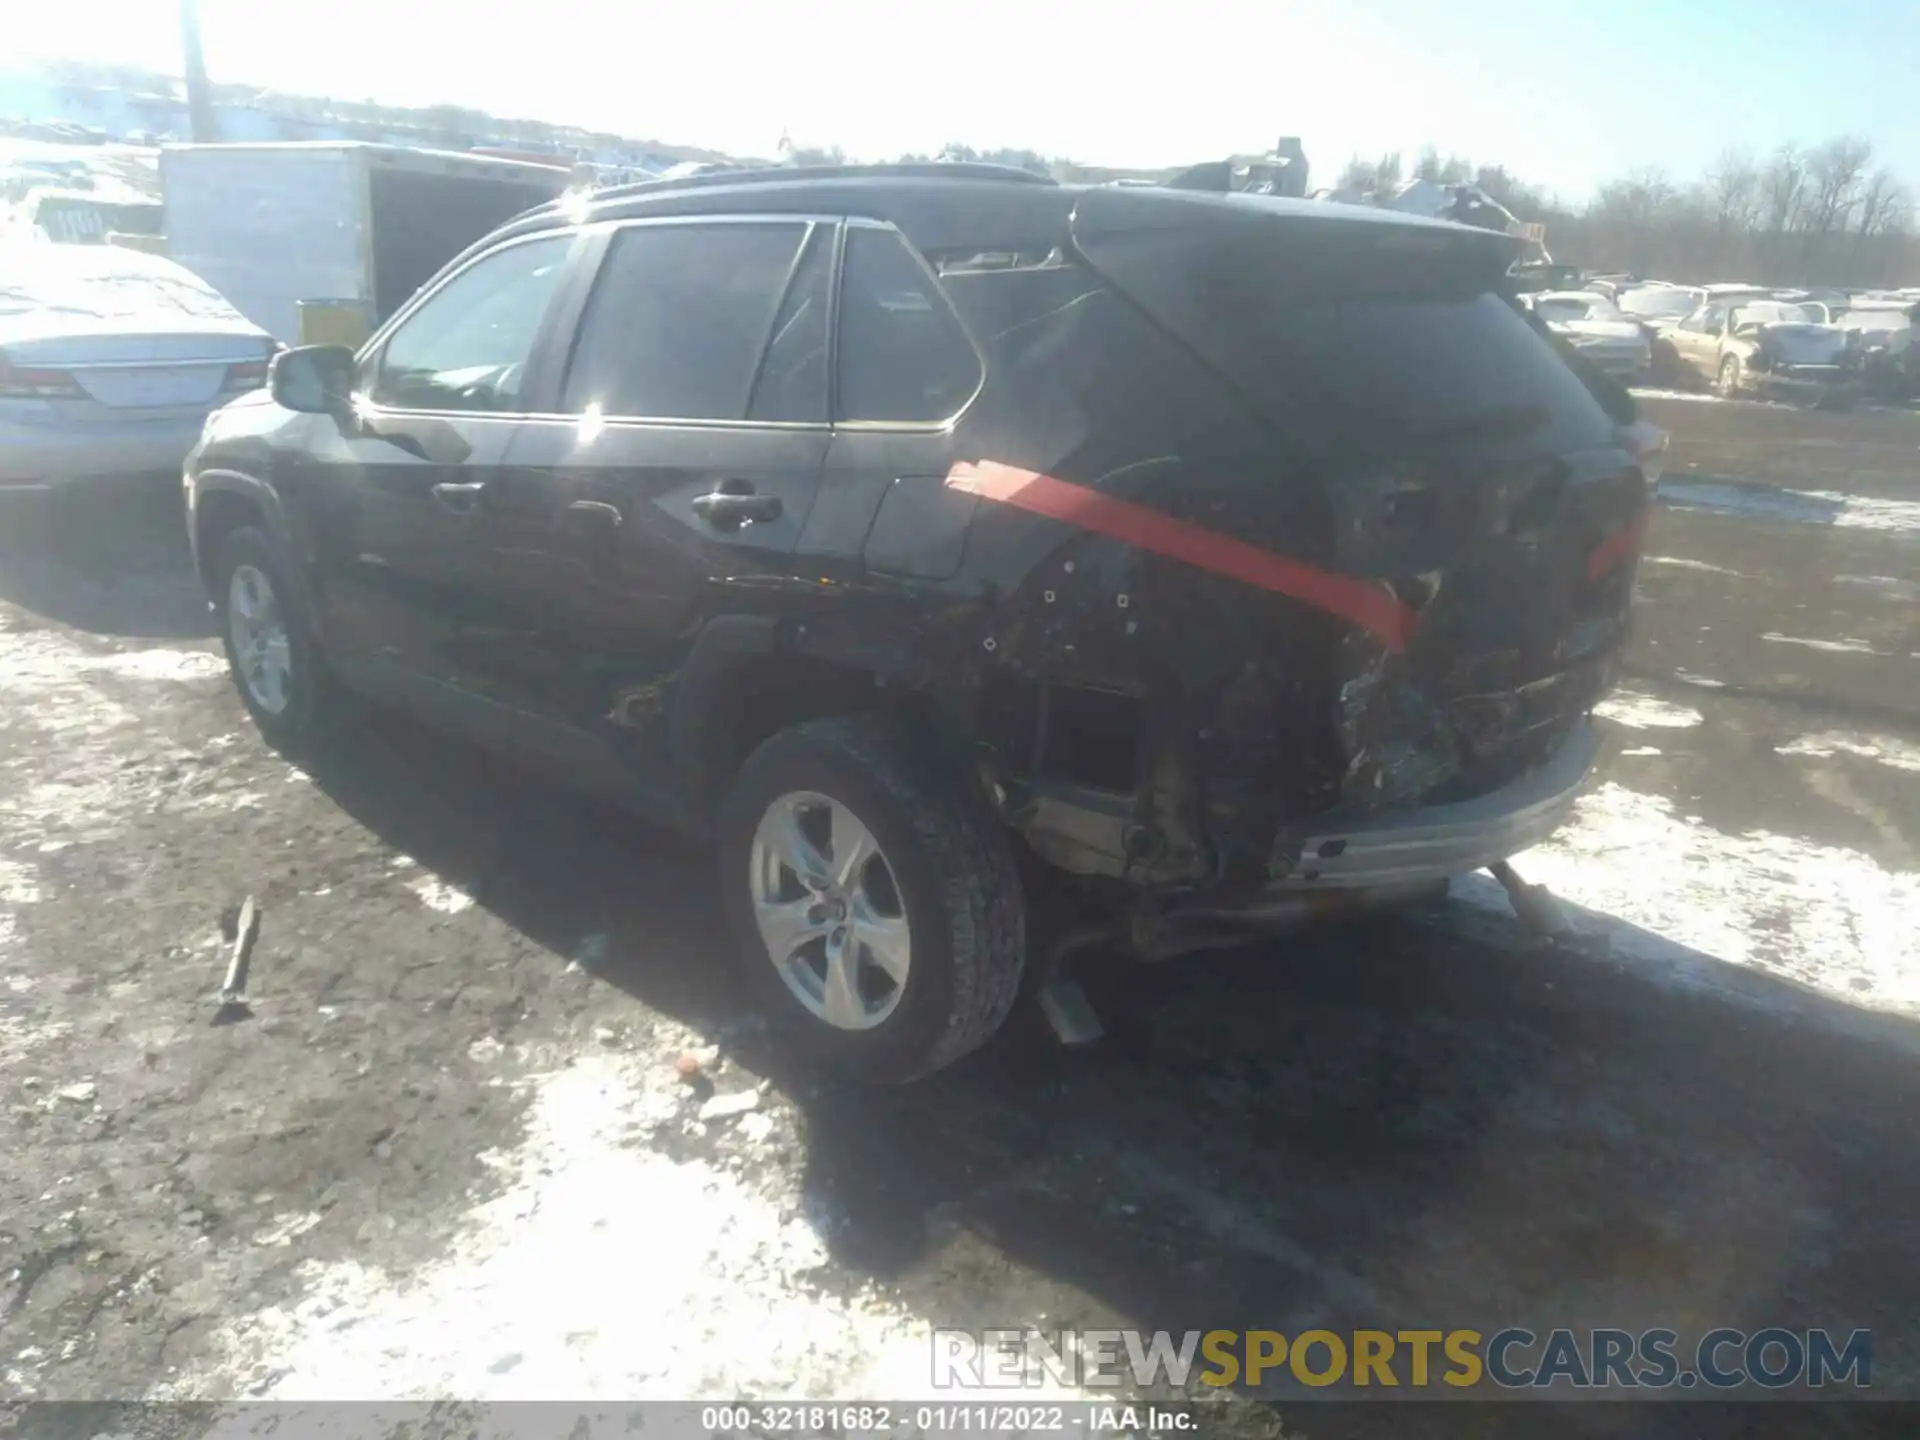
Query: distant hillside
(75, 101)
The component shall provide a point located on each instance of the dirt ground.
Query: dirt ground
(449, 1152)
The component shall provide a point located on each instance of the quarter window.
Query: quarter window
(467, 346)
(903, 354)
(678, 319)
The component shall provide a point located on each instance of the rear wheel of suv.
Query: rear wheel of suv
(1730, 376)
(872, 898)
(275, 665)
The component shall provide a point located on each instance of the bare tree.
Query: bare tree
(1731, 191)
(1835, 173)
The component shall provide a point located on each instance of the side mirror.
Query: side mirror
(312, 379)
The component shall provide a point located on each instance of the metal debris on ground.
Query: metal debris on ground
(233, 990)
(591, 954)
(721, 1107)
(1535, 905)
(1070, 1013)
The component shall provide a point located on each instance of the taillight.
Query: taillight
(21, 381)
(247, 375)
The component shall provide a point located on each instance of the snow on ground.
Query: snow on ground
(1804, 507)
(1889, 586)
(1639, 711)
(1683, 899)
(1898, 754)
(1848, 646)
(1680, 562)
(436, 895)
(634, 1249)
(1705, 397)
(602, 1269)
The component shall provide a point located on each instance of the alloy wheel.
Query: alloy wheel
(829, 910)
(257, 628)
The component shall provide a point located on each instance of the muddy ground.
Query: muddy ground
(449, 1152)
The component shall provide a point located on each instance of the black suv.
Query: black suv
(919, 534)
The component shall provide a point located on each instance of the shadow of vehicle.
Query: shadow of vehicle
(1409, 1121)
(109, 557)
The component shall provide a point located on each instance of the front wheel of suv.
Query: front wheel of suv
(276, 667)
(872, 898)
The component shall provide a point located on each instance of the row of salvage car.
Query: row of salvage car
(1824, 346)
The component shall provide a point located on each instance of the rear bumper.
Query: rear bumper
(1410, 848)
(1621, 364)
(34, 457)
(1814, 380)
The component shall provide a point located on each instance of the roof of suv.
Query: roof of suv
(942, 205)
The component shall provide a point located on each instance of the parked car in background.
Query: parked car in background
(1733, 292)
(84, 217)
(1883, 337)
(1657, 305)
(110, 361)
(1602, 334)
(1226, 558)
(1764, 347)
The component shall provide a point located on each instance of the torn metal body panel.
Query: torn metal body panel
(1286, 573)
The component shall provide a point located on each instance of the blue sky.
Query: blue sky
(1564, 93)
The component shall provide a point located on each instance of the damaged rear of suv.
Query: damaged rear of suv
(1197, 562)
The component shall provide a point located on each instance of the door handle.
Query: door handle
(599, 511)
(726, 511)
(458, 494)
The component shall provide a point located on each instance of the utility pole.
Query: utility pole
(199, 93)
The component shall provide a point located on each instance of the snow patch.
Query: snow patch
(1895, 753)
(1680, 562)
(1887, 585)
(602, 1270)
(444, 898)
(1825, 916)
(1639, 711)
(1838, 647)
(1800, 507)
(1701, 396)
(161, 665)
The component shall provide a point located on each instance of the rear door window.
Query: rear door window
(679, 318)
(904, 356)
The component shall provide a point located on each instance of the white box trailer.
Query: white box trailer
(357, 226)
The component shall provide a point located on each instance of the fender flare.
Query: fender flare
(725, 645)
(282, 527)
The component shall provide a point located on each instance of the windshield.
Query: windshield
(1769, 313)
(103, 282)
(1660, 300)
(1571, 307)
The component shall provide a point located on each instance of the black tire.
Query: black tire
(310, 694)
(1728, 384)
(956, 878)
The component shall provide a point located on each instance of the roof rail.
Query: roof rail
(799, 174)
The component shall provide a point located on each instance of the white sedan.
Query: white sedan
(1588, 321)
(110, 361)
